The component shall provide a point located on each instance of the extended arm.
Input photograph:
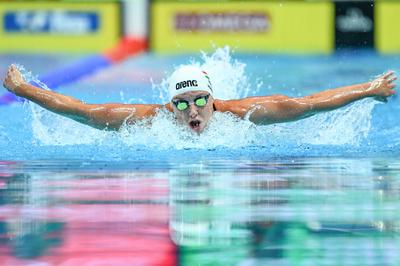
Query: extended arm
(101, 116)
(279, 108)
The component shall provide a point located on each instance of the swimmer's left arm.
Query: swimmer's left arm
(280, 108)
(267, 109)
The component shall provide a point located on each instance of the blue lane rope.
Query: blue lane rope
(64, 75)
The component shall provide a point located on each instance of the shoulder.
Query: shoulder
(227, 105)
(222, 105)
(242, 106)
(167, 106)
(237, 107)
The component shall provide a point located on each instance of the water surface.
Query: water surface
(320, 191)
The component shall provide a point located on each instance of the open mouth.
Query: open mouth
(195, 124)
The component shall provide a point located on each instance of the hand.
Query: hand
(13, 79)
(383, 87)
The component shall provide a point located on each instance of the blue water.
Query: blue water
(319, 191)
(304, 211)
(366, 128)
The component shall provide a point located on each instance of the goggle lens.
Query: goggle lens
(182, 106)
(200, 102)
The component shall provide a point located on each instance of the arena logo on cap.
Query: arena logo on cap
(186, 83)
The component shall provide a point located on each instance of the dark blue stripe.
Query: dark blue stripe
(65, 75)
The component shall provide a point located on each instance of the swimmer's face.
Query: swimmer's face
(195, 117)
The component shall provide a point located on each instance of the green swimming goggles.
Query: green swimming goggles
(182, 105)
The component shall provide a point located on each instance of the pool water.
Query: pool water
(320, 191)
(286, 211)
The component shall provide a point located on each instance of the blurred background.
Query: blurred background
(321, 191)
(113, 31)
(166, 26)
(298, 194)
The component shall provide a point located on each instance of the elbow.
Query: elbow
(296, 109)
(303, 107)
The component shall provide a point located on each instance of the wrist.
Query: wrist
(18, 89)
(369, 89)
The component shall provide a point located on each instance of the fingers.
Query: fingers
(389, 78)
(388, 74)
(390, 81)
(390, 84)
(13, 78)
(12, 68)
(14, 72)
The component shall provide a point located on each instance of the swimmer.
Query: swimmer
(193, 103)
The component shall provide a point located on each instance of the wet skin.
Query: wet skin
(261, 110)
(195, 117)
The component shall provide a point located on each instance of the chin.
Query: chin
(197, 130)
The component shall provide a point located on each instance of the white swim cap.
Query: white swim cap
(188, 78)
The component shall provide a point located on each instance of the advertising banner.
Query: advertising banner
(59, 26)
(387, 31)
(252, 26)
(354, 27)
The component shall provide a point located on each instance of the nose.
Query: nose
(193, 112)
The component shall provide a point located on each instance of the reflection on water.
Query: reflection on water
(283, 212)
(75, 217)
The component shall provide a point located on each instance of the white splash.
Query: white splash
(227, 76)
(224, 130)
(51, 129)
(349, 125)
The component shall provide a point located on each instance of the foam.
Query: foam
(347, 126)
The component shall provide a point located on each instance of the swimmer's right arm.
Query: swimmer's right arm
(101, 116)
